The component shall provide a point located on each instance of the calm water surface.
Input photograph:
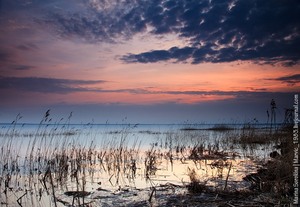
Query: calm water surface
(170, 145)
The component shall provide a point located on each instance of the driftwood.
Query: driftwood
(77, 194)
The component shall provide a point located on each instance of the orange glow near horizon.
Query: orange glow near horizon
(170, 83)
(162, 82)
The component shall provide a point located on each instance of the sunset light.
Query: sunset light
(147, 54)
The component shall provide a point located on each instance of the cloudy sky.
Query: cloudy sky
(151, 61)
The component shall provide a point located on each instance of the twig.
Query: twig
(43, 182)
(110, 179)
(151, 195)
(227, 176)
(216, 197)
(52, 185)
(19, 199)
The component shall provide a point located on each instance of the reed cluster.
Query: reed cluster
(53, 160)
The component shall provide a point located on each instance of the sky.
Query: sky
(148, 61)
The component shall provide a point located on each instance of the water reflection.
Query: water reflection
(40, 163)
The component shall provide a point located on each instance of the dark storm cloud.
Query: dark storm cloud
(217, 31)
(175, 53)
(265, 32)
(261, 31)
(94, 24)
(290, 80)
(46, 85)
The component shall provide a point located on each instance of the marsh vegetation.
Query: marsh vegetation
(60, 164)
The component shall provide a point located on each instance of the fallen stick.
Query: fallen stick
(18, 201)
(227, 176)
(52, 186)
(153, 190)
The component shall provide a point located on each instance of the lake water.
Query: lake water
(143, 134)
(114, 157)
